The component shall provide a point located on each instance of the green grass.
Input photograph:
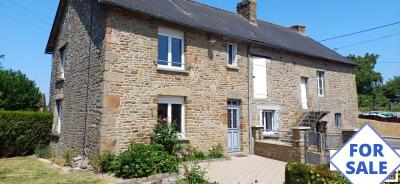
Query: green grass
(30, 170)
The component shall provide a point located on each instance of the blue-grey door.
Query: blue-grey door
(233, 129)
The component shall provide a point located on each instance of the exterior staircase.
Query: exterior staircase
(311, 118)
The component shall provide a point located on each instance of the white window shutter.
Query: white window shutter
(260, 77)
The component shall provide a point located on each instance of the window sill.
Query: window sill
(173, 70)
(230, 67)
(183, 140)
(61, 79)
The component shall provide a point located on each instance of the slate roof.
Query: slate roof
(199, 16)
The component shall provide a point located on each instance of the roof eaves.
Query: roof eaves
(56, 27)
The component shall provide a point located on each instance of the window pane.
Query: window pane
(230, 51)
(162, 50)
(177, 116)
(162, 112)
(59, 108)
(229, 118)
(176, 52)
(234, 118)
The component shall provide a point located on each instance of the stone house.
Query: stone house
(119, 65)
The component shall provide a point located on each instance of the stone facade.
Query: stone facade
(80, 90)
(112, 83)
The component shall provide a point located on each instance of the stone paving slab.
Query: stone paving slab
(246, 170)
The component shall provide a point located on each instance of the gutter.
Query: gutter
(84, 154)
(249, 90)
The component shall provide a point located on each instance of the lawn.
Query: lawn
(30, 170)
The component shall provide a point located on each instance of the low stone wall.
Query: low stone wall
(277, 151)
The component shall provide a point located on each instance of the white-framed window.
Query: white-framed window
(338, 119)
(321, 83)
(170, 48)
(59, 111)
(172, 110)
(232, 54)
(269, 121)
(63, 60)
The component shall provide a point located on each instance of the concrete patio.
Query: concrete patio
(246, 170)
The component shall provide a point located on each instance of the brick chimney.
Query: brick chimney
(299, 29)
(248, 10)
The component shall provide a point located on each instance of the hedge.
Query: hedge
(21, 132)
(298, 173)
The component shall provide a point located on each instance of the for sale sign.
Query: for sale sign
(366, 158)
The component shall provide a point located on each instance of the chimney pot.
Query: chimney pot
(248, 10)
(301, 29)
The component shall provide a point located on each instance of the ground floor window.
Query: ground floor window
(59, 112)
(268, 120)
(338, 119)
(172, 110)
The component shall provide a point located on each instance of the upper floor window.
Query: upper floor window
(172, 110)
(232, 52)
(338, 119)
(170, 48)
(321, 83)
(63, 60)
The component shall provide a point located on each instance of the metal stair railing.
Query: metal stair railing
(306, 114)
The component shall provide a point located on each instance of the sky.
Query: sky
(25, 27)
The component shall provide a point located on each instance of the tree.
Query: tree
(368, 81)
(392, 90)
(17, 92)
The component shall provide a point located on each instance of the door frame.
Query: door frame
(238, 149)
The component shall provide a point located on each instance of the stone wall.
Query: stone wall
(80, 90)
(284, 72)
(133, 84)
(277, 151)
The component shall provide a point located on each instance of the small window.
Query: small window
(59, 111)
(63, 60)
(320, 83)
(232, 54)
(171, 110)
(170, 48)
(268, 120)
(338, 119)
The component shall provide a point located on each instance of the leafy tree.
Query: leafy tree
(392, 90)
(17, 92)
(368, 81)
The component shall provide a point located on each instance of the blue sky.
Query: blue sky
(25, 27)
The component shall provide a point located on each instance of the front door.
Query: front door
(233, 128)
(303, 90)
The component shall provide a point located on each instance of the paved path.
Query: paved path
(245, 170)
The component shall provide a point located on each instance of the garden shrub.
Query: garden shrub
(21, 132)
(191, 153)
(194, 175)
(165, 134)
(43, 151)
(105, 162)
(298, 173)
(141, 160)
(216, 151)
(68, 157)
